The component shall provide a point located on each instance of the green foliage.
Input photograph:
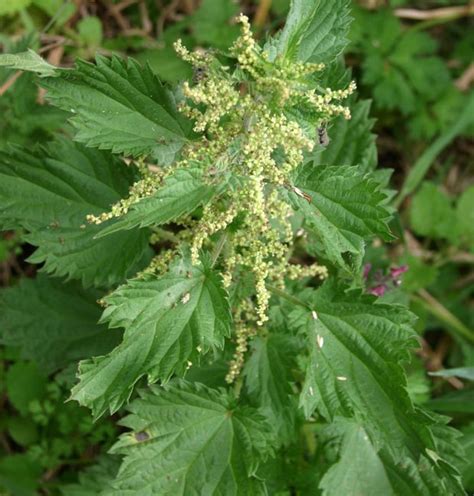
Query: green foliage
(53, 323)
(118, 106)
(36, 185)
(197, 216)
(314, 31)
(190, 439)
(168, 322)
(345, 207)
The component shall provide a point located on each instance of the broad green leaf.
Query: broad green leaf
(49, 192)
(356, 347)
(362, 470)
(359, 470)
(53, 323)
(351, 141)
(168, 322)
(120, 106)
(24, 384)
(189, 439)
(346, 209)
(431, 213)
(268, 381)
(180, 195)
(12, 6)
(28, 61)
(315, 30)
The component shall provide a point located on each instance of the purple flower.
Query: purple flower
(378, 290)
(396, 272)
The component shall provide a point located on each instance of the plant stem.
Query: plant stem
(437, 309)
(218, 248)
(283, 294)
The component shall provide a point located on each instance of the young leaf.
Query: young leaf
(168, 322)
(189, 439)
(50, 191)
(315, 30)
(343, 208)
(53, 323)
(120, 106)
(268, 381)
(431, 213)
(28, 61)
(180, 195)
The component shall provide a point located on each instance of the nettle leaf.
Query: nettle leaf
(362, 469)
(356, 347)
(345, 210)
(268, 381)
(49, 192)
(121, 106)
(180, 195)
(168, 322)
(53, 323)
(189, 439)
(351, 141)
(315, 30)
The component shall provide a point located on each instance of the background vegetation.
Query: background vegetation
(412, 58)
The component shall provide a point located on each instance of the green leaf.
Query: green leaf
(315, 30)
(120, 106)
(431, 213)
(90, 31)
(24, 383)
(362, 470)
(49, 192)
(356, 349)
(168, 322)
(346, 209)
(28, 61)
(53, 323)
(180, 195)
(462, 372)
(359, 470)
(189, 439)
(351, 141)
(12, 6)
(268, 381)
(211, 23)
(19, 474)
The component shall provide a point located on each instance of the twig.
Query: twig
(283, 294)
(444, 315)
(9, 82)
(464, 81)
(442, 13)
(218, 248)
(262, 13)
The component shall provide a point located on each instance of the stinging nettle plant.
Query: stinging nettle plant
(224, 232)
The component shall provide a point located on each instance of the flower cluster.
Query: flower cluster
(248, 119)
